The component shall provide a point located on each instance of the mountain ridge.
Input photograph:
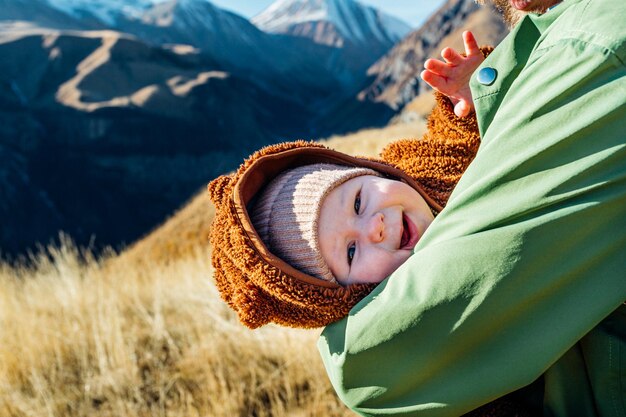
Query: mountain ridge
(352, 21)
(106, 132)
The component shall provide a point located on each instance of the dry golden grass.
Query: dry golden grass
(369, 142)
(418, 108)
(104, 338)
(144, 333)
(179, 237)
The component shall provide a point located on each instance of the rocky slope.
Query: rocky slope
(394, 79)
(275, 58)
(356, 35)
(233, 41)
(102, 134)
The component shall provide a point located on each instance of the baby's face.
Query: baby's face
(368, 227)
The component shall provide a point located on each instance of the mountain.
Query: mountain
(394, 79)
(109, 120)
(280, 63)
(102, 134)
(325, 44)
(277, 59)
(332, 22)
(316, 72)
(357, 34)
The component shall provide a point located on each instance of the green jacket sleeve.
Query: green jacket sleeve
(528, 256)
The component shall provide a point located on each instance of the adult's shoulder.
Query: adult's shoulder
(596, 23)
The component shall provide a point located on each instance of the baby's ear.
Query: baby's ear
(218, 188)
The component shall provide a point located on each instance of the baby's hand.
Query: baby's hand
(451, 77)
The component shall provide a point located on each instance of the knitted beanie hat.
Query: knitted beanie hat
(287, 211)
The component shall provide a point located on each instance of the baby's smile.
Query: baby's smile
(368, 227)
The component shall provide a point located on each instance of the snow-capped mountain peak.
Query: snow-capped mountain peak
(354, 21)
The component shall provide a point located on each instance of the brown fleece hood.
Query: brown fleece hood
(261, 287)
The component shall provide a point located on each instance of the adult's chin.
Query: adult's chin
(510, 14)
(535, 6)
(522, 5)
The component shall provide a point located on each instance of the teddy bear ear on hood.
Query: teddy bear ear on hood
(220, 188)
(244, 297)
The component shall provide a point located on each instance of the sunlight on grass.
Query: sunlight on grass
(106, 337)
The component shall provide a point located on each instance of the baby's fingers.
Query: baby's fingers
(436, 66)
(451, 56)
(471, 46)
(462, 108)
(436, 81)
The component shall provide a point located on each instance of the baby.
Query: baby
(303, 233)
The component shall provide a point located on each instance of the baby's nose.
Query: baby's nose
(376, 228)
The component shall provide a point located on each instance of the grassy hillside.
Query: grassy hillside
(103, 338)
(144, 333)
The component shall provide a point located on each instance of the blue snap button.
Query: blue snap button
(487, 76)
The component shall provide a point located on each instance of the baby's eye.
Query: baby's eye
(351, 250)
(357, 203)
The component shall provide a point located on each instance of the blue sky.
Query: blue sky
(413, 12)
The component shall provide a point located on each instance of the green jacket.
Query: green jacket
(523, 273)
